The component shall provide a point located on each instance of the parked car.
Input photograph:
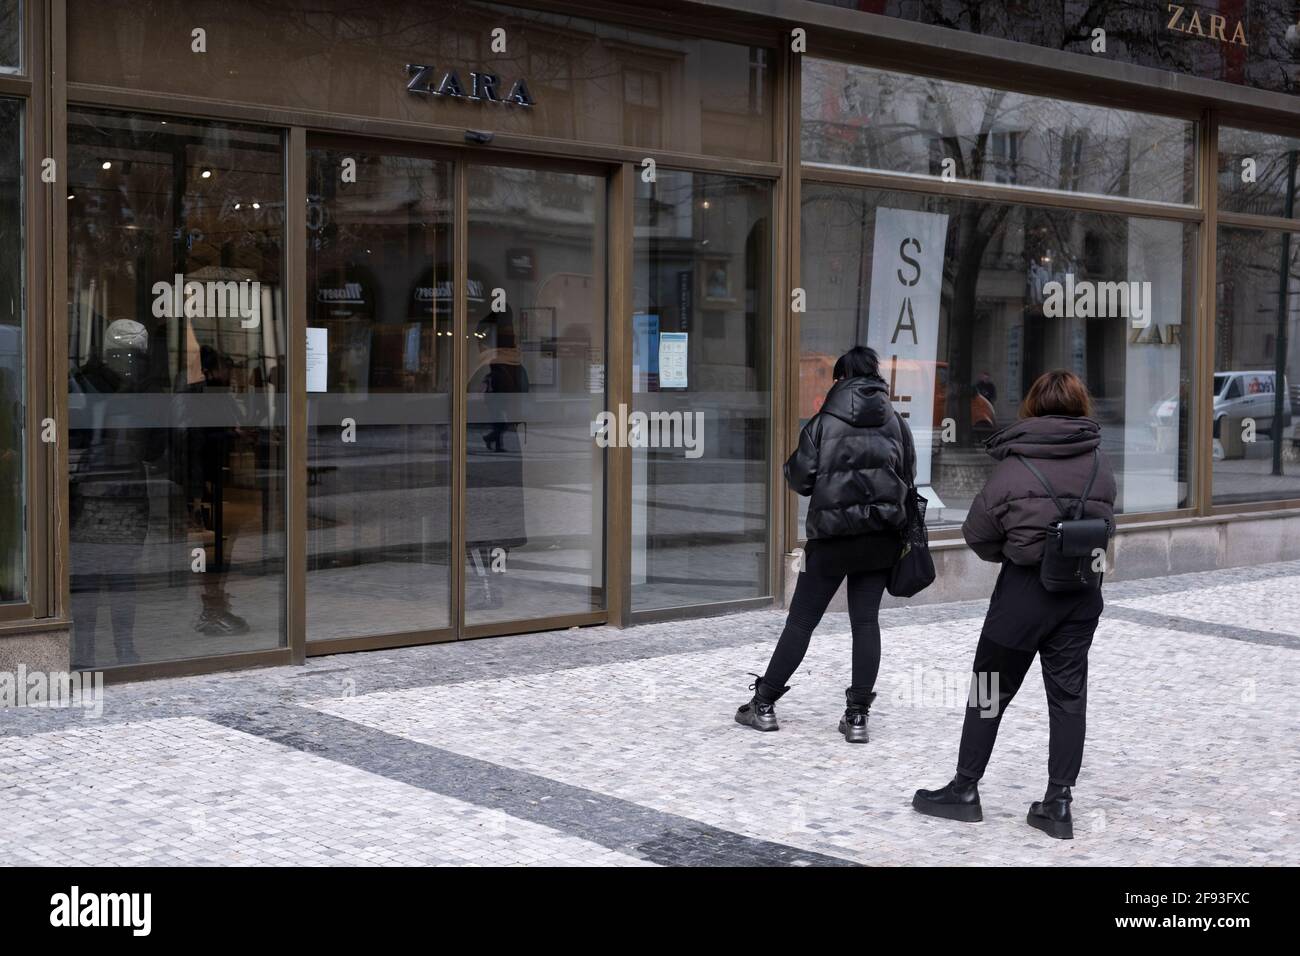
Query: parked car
(1239, 395)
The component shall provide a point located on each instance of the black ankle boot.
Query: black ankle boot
(857, 705)
(1052, 813)
(760, 712)
(959, 800)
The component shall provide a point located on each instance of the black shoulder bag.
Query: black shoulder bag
(1072, 540)
(913, 572)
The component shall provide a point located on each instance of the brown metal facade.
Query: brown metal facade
(44, 88)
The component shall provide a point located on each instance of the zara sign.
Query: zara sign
(483, 87)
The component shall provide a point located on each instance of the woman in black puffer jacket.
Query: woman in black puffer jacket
(1008, 523)
(856, 460)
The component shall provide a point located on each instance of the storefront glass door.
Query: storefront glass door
(378, 363)
(403, 469)
(534, 477)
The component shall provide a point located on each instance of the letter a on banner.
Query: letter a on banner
(906, 279)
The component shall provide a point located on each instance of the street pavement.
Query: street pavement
(607, 747)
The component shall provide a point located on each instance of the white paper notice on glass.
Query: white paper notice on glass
(318, 360)
(672, 359)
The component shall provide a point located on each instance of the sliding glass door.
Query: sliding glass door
(406, 469)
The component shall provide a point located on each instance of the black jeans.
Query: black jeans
(1023, 619)
(812, 594)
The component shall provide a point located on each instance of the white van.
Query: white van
(1239, 395)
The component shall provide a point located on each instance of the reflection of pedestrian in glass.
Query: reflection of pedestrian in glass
(718, 288)
(983, 414)
(108, 489)
(496, 500)
(209, 449)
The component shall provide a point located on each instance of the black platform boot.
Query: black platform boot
(1052, 813)
(760, 712)
(959, 800)
(857, 705)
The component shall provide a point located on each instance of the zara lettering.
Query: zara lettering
(1187, 20)
(483, 87)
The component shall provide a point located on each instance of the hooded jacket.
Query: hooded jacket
(856, 460)
(1009, 517)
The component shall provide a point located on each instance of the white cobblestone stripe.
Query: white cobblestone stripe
(186, 791)
(1190, 754)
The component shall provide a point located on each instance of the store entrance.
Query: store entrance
(455, 360)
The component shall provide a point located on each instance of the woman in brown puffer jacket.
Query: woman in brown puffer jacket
(1007, 522)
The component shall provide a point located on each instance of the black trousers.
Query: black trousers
(812, 594)
(1024, 620)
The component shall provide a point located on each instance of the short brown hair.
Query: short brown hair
(1058, 392)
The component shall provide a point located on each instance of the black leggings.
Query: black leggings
(812, 594)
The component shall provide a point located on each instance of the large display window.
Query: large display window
(968, 301)
(701, 376)
(177, 349)
(858, 117)
(1256, 386)
(11, 33)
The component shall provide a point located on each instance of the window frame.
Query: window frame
(33, 86)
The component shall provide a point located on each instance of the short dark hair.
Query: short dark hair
(856, 362)
(1058, 392)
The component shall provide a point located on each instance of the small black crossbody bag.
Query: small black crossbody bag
(1070, 551)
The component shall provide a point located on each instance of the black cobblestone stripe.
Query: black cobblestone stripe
(1173, 622)
(621, 825)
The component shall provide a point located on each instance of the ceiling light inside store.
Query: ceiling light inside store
(106, 165)
(206, 174)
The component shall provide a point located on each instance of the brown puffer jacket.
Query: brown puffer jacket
(1009, 517)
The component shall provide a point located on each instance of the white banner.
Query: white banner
(906, 278)
(1149, 480)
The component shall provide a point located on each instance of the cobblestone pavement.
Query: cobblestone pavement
(607, 747)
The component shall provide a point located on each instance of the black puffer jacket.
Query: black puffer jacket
(856, 459)
(1009, 517)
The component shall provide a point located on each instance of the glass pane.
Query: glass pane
(968, 302)
(379, 342)
(176, 340)
(11, 36)
(582, 79)
(701, 377)
(535, 479)
(1256, 347)
(864, 118)
(1258, 172)
(13, 405)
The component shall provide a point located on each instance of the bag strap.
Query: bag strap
(909, 449)
(1087, 490)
